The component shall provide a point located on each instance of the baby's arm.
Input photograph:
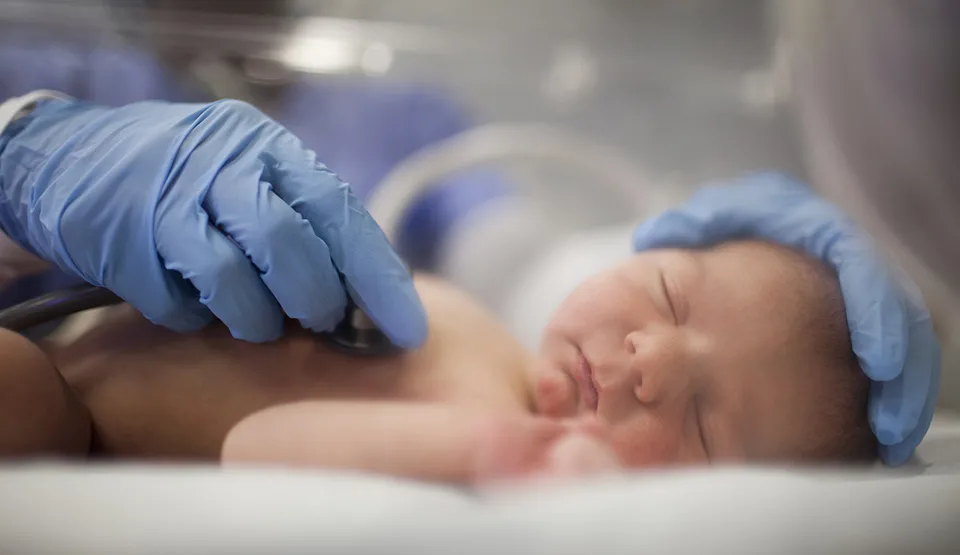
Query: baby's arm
(410, 440)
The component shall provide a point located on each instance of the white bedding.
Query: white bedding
(104, 510)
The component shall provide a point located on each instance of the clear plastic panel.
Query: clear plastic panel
(678, 85)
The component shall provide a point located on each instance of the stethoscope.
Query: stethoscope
(355, 335)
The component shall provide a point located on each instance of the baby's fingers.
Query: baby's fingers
(589, 425)
(514, 447)
(555, 393)
(580, 454)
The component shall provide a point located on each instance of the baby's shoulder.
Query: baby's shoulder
(455, 316)
(468, 341)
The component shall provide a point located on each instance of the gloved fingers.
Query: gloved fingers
(227, 281)
(899, 453)
(374, 274)
(876, 316)
(116, 261)
(716, 213)
(163, 299)
(294, 263)
(760, 206)
(672, 229)
(900, 409)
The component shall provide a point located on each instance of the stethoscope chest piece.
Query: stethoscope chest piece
(357, 335)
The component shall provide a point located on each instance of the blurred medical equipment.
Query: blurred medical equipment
(494, 245)
(56, 305)
(615, 174)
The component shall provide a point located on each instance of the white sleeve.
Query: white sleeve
(15, 261)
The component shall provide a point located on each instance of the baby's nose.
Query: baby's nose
(657, 365)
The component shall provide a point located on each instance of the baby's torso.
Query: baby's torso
(156, 394)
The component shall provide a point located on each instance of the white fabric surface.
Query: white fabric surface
(104, 510)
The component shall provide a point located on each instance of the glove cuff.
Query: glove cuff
(17, 107)
(16, 261)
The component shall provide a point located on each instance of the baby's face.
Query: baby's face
(686, 355)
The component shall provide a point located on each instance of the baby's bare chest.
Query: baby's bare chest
(154, 393)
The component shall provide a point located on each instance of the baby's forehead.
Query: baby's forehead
(755, 250)
(765, 269)
(744, 282)
(761, 303)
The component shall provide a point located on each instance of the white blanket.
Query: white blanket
(164, 510)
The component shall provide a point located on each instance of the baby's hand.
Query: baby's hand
(543, 448)
(555, 393)
(583, 450)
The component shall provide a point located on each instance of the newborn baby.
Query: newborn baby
(739, 353)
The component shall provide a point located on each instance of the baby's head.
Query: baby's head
(738, 353)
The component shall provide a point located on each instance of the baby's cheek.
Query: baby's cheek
(647, 445)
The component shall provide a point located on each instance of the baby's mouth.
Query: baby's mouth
(587, 384)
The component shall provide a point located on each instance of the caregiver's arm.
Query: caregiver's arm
(410, 440)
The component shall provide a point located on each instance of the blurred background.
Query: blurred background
(683, 91)
(672, 79)
(679, 85)
(679, 89)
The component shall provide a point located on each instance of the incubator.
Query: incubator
(509, 147)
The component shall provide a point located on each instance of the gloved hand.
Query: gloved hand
(890, 328)
(190, 211)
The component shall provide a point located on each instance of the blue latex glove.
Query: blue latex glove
(890, 327)
(190, 211)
